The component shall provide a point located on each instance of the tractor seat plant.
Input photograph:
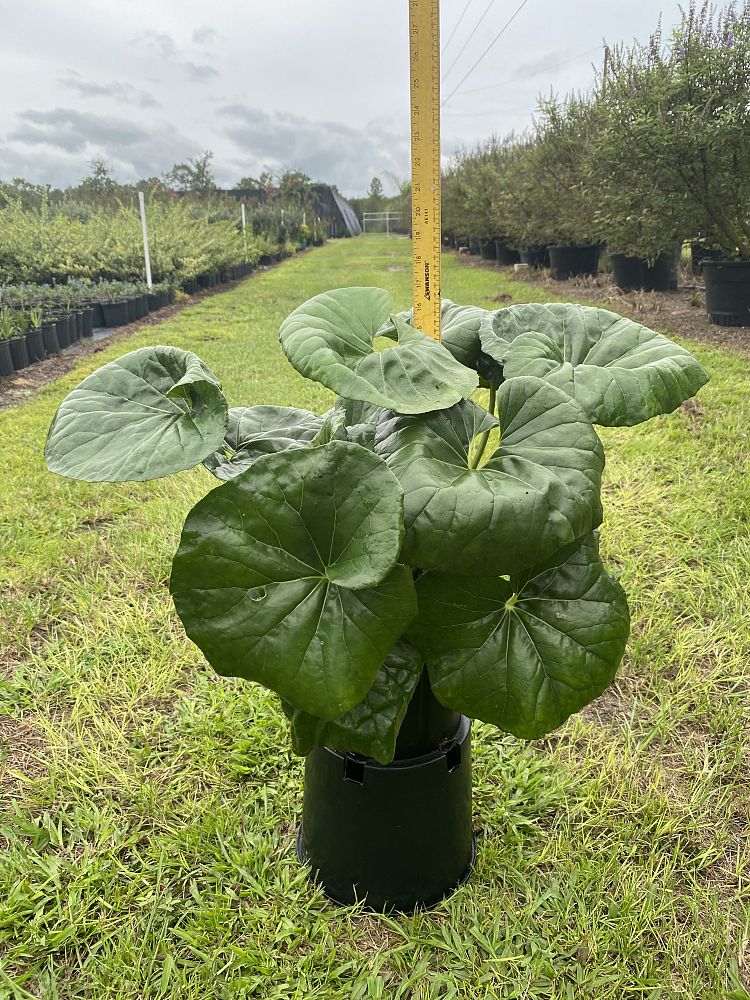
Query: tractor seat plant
(410, 527)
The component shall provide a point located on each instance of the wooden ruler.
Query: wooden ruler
(424, 37)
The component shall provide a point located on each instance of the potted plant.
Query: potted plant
(403, 563)
(516, 210)
(564, 186)
(15, 325)
(676, 131)
(7, 330)
(34, 338)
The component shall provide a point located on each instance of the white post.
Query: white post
(244, 230)
(146, 254)
(387, 223)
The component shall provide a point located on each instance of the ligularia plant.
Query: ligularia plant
(408, 527)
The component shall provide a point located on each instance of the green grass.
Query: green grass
(148, 808)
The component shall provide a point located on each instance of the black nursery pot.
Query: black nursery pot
(35, 345)
(661, 276)
(627, 272)
(535, 256)
(98, 315)
(487, 249)
(634, 273)
(398, 836)
(6, 362)
(18, 352)
(62, 329)
(49, 336)
(154, 301)
(505, 255)
(727, 291)
(574, 261)
(88, 322)
(115, 313)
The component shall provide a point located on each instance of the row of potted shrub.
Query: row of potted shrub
(38, 321)
(659, 150)
(564, 262)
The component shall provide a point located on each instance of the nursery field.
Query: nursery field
(148, 808)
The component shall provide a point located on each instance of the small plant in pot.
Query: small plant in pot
(408, 561)
(560, 170)
(7, 330)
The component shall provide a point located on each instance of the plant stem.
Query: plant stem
(486, 434)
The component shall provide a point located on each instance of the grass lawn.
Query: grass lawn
(148, 808)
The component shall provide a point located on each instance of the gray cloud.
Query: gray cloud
(205, 35)
(159, 42)
(200, 73)
(162, 45)
(56, 146)
(74, 131)
(324, 150)
(125, 93)
(528, 70)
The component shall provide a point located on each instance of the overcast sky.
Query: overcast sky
(321, 86)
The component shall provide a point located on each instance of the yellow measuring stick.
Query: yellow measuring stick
(424, 38)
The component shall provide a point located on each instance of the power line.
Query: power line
(499, 35)
(456, 27)
(471, 35)
(530, 76)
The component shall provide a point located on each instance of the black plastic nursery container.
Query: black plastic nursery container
(727, 291)
(636, 274)
(505, 255)
(535, 256)
(115, 313)
(62, 329)
(6, 362)
(154, 301)
(487, 249)
(98, 314)
(18, 352)
(49, 336)
(88, 322)
(397, 836)
(35, 345)
(574, 261)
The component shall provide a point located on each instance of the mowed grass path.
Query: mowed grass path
(148, 808)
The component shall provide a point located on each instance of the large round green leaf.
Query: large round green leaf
(330, 339)
(371, 727)
(523, 654)
(153, 412)
(538, 491)
(287, 575)
(460, 334)
(620, 372)
(261, 430)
